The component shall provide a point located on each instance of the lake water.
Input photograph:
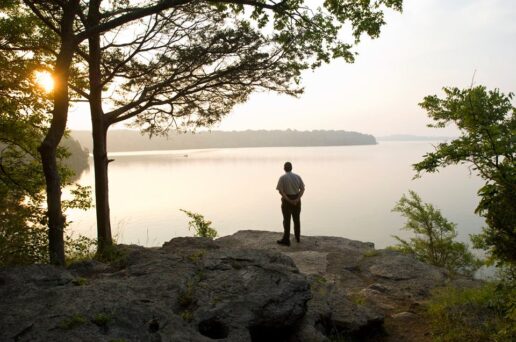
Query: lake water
(350, 191)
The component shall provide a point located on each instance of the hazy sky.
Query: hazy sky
(433, 43)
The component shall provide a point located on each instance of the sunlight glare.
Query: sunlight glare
(44, 80)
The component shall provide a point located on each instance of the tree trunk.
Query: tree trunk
(48, 147)
(55, 216)
(100, 161)
(99, 132)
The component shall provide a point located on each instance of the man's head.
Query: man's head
(287, 167)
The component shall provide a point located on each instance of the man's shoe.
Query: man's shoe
(298, 240)
(283, 242)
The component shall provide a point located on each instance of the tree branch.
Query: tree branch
(124, 19)
(38, 13)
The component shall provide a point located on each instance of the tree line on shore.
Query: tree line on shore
(131, 140)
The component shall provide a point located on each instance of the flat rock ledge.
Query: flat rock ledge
(242, 287)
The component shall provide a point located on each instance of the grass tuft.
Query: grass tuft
(487, 313)
(72, 322)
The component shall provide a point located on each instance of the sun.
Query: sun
(44, 80)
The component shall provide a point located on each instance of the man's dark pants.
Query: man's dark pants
(290, 210)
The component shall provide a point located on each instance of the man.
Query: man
(291, 189)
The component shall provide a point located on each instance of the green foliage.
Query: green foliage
(186, 315)
(102, 319)
(23, 232)
(200, 225)
(196, 256)
(487, 122)
(319, 279)
(370, 253)
(186, 296)
(358, 299)
(487, 313)
(79, 248)
(21, 244)
(76, 157)
(72, 322)
(80, 281)
(319, 284)
(434, 237)
(24, 120)
(113, 255)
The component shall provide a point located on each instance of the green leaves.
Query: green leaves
(434, 240)
(487, 123)
(485, 313)
(200, 225)
(26, 45)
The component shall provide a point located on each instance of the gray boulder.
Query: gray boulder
(189, 290)
(355, 288)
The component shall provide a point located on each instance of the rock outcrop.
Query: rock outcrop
(189, 290)
(357, 292)
(242, 287)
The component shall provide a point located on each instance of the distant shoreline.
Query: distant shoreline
(407, 137)
(133, 141)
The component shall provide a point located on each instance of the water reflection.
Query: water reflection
(350, 191)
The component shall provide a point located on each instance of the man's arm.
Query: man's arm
(301, 187)
(296, 201)
(285, 197)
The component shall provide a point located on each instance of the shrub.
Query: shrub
(200, 225)
(487, 313)
(434, 241)
(79, 248)
(24, 244)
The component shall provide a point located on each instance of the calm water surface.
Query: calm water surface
(350, 191)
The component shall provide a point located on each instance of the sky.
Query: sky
(432, 44)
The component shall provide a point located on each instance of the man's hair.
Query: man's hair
(287, 167)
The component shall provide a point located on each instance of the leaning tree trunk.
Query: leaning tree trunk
(48, 147)
(99, 132)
